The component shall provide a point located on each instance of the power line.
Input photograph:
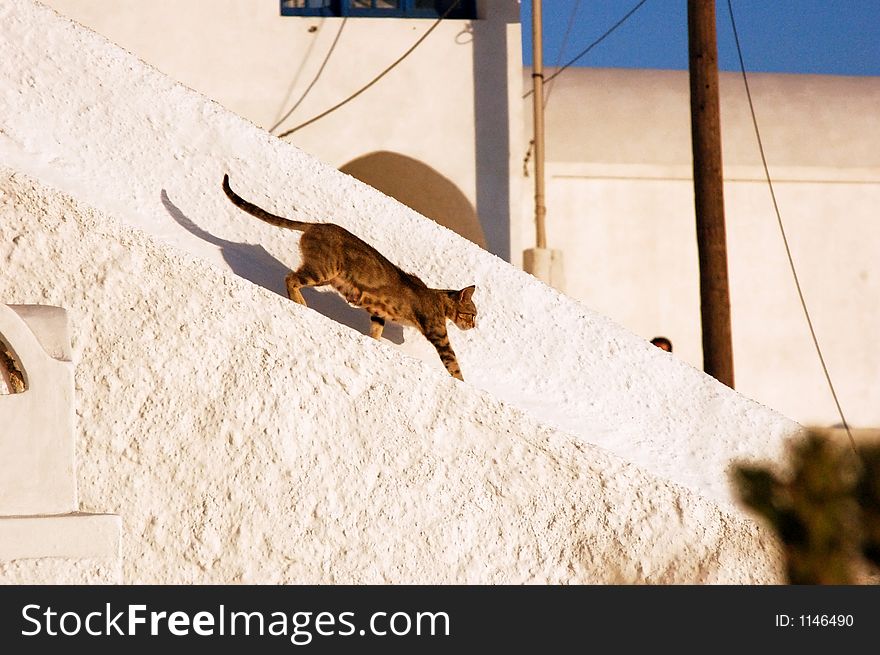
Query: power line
(593, 44)
(563, 47)
(583, 52)
(354, 95)
(315, 80)
(782, 231)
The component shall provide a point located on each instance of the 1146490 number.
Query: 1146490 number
(825, 620)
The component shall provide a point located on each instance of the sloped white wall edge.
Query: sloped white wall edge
(247, 439)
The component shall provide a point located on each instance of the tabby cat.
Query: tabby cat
(365, 278)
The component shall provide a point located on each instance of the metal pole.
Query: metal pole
(709, 191)
(538, 104)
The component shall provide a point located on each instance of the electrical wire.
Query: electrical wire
(583, 52)
(782, 231)
(315, 80)
(527, 157)
(354, 95)
(549, 80)
(563, 47)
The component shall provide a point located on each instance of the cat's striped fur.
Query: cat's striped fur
(365, 278)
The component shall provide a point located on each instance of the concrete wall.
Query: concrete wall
(85, 117)
(620, 206)
(247, 439)
(443, 133)
(445, 106)
(44, 538)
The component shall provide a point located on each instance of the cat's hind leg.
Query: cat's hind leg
(293, 286)
(303, 277)
(377, 324)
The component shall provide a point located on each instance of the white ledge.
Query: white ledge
(71, 536)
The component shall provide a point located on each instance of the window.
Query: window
(466, 9)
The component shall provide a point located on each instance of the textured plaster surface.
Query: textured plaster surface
(88, 118)
(37, 464)
(69, 536)
(620, 198)
(101, 570)
(244, 438)
(37, 440)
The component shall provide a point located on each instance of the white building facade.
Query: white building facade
(446, 132)
(620, 206)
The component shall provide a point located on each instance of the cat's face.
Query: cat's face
(465, 311)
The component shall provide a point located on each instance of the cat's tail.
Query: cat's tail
(260, 213)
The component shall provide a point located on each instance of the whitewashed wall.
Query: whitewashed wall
(620, 206)
(243, 437)
(619, 193)
(447, 106)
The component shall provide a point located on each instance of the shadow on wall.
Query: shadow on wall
(255, 264)
(419, 187)
(492, 128)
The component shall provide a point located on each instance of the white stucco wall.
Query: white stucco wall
(85, 116)
(445, 105)
(211, 406)
(618, 192)
(61, 571)
(44, 538)
(620, 206)
(244, 438)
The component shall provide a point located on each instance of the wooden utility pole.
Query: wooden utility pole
(538, 115)
(709, 191)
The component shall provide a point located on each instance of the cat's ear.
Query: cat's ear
(465, 294)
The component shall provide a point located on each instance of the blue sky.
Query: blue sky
(834, 37)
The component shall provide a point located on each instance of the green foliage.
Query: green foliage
(825, 510)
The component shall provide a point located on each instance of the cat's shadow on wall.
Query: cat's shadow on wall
(254, 263)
